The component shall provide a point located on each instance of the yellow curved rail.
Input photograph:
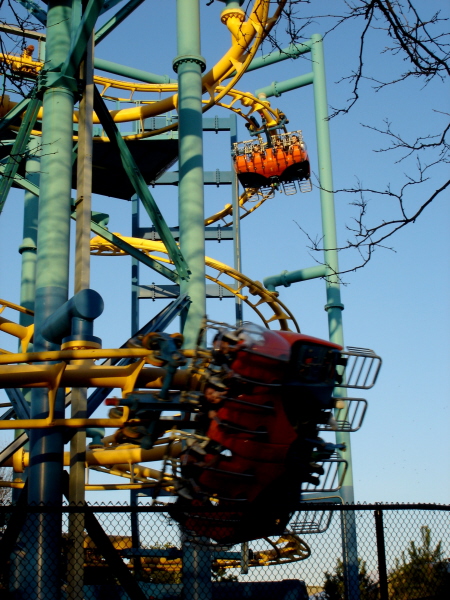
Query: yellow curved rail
(253, 195)
(246, 39)
(21, 65)
(281, 313)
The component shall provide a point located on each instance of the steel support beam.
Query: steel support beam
(77, 474)
(18, 149)
(81, 38)
(216, 177)
(22, 182)
(137, 254)
(131, 72)
(139, 185)
(286, 278)
(34, 9)
(215, 233)
(334, 306)
(189, 65)
(292, 51)
(276, 88)
(19, 403)
(15, 112)
(41, 575)
(116, 20)
(157, 292)
(28, 250)
(237, 255)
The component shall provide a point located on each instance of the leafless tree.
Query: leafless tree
(422, 44)
(12, 44)
(420, 40)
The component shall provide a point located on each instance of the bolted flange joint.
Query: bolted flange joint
(57, 79)
(276, 93)
(189, 58)
(333, 305)
(284, 279)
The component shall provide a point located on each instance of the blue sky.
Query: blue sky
(397, 305)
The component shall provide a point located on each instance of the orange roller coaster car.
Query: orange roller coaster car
(282, 160)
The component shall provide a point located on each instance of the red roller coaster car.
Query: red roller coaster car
(265, 393)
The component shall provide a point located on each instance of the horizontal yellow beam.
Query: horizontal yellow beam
(22, 309)
(125, 378)
(68, 355)
(106, 457)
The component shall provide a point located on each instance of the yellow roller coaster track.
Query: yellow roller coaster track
(281, 313)
(247, 36)
(22, 66)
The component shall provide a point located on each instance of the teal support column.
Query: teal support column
(237, 263)
(189, 65)
(334, 306)
(52, 268)
(196, 570)
(52, 279)
(28, 246)
(27, 250)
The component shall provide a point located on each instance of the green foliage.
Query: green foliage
(334, 583)
(421, 572)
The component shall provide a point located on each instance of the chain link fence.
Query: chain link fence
(329, 552)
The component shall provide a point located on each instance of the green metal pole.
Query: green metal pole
(236, 219)
(334, 306)
(292, 51)
(116, 20)
(28, 246)
(287, 277)
(18, 149)
(27, 250)
(276, 88)
(131, 72)
(189, 65)
(52, 278)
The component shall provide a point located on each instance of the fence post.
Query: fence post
(379, 528)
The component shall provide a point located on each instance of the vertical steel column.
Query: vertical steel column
(196, 569)
(236, 220)
(28, 246)
(334, 306)
(27, 250)
(381, 551)
(52, 278)
(82, 281)
(189, 65)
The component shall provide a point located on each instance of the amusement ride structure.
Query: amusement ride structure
(219, 417)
